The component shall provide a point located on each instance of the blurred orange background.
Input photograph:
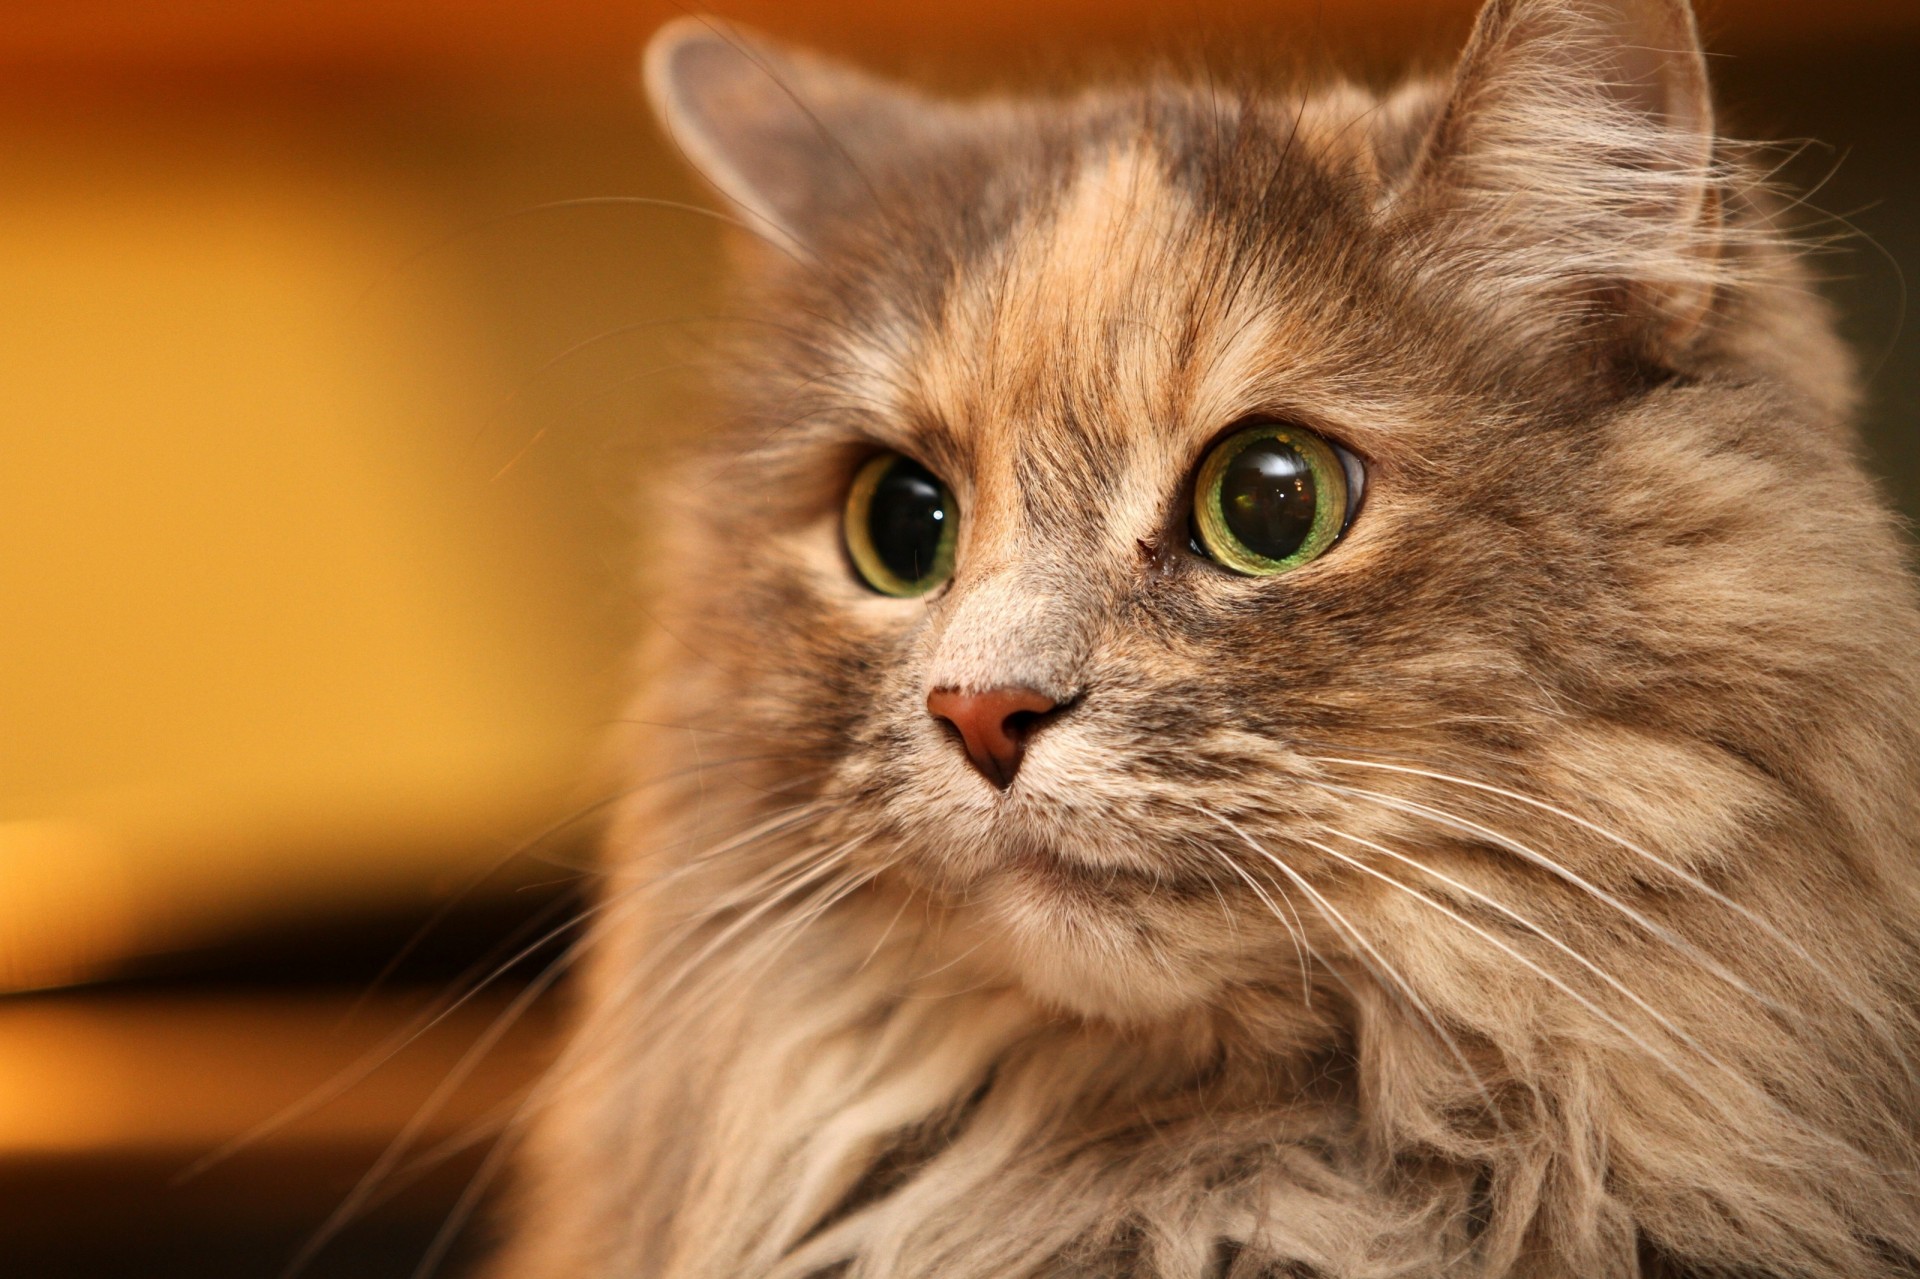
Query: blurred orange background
(326, 384)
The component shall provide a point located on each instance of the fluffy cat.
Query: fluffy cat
(1278, 682)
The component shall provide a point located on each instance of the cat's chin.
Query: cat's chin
(1074, 949)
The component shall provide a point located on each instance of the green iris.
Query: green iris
(901, 526)
(1269, 498)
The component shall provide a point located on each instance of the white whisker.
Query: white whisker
(1535, 968)
(748, 917)
(1652, 928)
(1295, 931)
(773, 943)
(404, 1140)
(1767, 927)
(1389, 977)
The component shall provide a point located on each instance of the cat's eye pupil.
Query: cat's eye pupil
(1268, 498)
(906, 519)
(901, 524)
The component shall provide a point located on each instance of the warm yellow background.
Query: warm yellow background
(276, 633)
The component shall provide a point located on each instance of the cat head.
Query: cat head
(1210, 538)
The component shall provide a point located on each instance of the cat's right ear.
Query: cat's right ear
(783, 135)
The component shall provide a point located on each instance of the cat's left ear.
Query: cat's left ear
(785, 136)
(1574, 155)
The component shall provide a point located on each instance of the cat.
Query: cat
(1257, 681)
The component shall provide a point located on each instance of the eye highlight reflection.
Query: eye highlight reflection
(901, 525)
(1269, 499)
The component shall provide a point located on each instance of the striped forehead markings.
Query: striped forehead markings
(1091, 345)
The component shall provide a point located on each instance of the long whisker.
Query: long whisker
(436, 1101)
(775, 824)
(794, 866)
(375, 1058)
(790, 875)
(1741, 1081)
(463, 1207)
(1685, 876)
(530, 847)
(384, 1051)
(490, 1167)
(906, 899)
(1653, 928)
(777, 940)
(1518, 957)
(1530, 925)
(1693, 881)
(1295, 931)
(748, 917)
(496, 1157)
(1389, 976)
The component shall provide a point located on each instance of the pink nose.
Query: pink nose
(994, 725)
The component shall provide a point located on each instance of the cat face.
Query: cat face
(1561, 622)
(1271, 681)
(1189, 699)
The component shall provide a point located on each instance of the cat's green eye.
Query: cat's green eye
(901, 526)
(1270, 498)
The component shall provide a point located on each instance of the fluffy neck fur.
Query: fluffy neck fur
(1562, 918)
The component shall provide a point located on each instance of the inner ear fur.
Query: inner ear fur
(1573, 154)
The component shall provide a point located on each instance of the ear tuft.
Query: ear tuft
(1575, 156)
(782, 135)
